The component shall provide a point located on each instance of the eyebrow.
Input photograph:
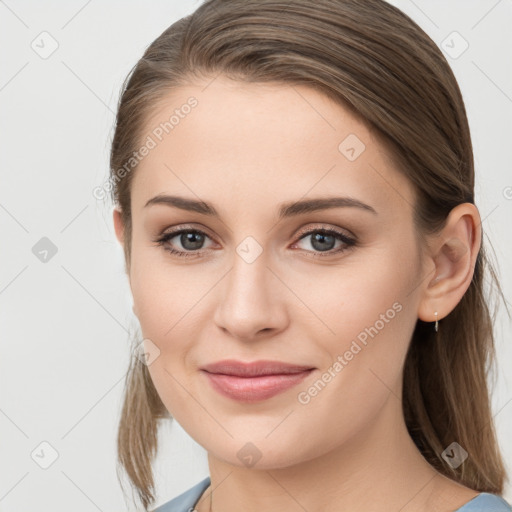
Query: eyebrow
(286, 210)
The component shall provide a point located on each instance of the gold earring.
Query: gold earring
(436, 326)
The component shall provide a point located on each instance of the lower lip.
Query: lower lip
(253, 389)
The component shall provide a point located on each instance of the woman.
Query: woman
(294, 189)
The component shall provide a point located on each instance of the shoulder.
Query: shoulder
(486, 502)
(186, 501)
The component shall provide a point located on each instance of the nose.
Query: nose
(252, 300)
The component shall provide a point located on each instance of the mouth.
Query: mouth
(255, 381)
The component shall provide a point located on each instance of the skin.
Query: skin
(247, 148)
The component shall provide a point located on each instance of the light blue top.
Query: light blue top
(186, 502)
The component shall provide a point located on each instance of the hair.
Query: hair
(374, 60)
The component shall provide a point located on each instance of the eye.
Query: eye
(323, 240)
(191, 240)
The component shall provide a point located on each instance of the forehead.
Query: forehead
(228, 140)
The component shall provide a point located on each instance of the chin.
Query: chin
(261, 453)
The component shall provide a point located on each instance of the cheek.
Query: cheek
(166, 317)
(373, 320)
(170, 302)
(165, 294)
(367, 315)
(363, 299)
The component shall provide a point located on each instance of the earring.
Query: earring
(436, 326)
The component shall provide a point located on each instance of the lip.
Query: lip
(254, 381)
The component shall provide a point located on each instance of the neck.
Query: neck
(377, 469)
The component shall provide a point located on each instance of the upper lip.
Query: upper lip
(254, 368)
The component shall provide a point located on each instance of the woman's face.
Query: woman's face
(262, 281)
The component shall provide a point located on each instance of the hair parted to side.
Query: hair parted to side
(373, 59)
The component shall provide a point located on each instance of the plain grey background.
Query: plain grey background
(66, 321)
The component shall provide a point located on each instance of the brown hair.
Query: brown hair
(373, 59)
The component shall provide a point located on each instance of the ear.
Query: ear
(118, 224)
(452, 254)
(119, 229)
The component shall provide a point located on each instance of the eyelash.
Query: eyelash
(349, 242)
